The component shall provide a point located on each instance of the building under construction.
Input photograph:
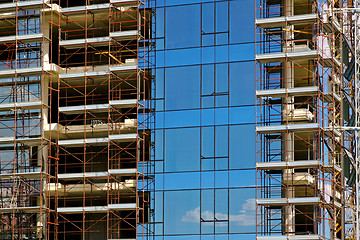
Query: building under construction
(75, 144)
(307, 98)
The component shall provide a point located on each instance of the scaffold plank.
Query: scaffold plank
(123, 137)
(127, 103)
(124, 35)
(74, 210)
(290, 164)
(33, 71)
(22, 209)
(26, 175)
(123, 172)
(290, 237)
(123, 239)
(21, 105)
(98, 74)
(26, 141)
(284, 201)
(82, 108)
(282, 56)
(116, 69)
(97, 209)
(104, 174)
(24, 5)
(78, 43)
(332, 97)
(274, 22)
(26, 38)
(91, 188)
(99, 41)
(306, 127)
(104, 7)
(82, 142)
(283, 92)
(98, 141)
(126, 3)
(122, 206)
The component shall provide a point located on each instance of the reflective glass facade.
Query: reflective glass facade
(204, 96)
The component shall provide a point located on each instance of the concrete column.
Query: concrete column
(288, 110)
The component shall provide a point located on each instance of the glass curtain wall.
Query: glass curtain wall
(204, 132)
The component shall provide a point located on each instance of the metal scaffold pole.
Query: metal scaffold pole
(355, 17)
(323, 122)
(357, 150)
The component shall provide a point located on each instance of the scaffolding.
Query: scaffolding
(305, 98)
(75, 143)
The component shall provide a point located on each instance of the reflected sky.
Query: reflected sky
(204, 120)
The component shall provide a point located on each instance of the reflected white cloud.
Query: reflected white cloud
(246, 216)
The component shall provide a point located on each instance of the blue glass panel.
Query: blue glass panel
(208, 40)
(159, 182)
(222, 21)
(183, 27)
(222, 38)
(207, 164)
(242, 146)
(184, 237)
(222, 163)
(208, 142)
(159, 166)
(160, 3)
(242, 215)
(207, 205)
(159, 122)
(159, 203)
(159, 105)
(221, 204)
(242, 52)
(160, 44)
(160, 23)
(208, 55)
(208, 237)
(242, 84)
(181, 181)
(208, 18)
(188, 118)
(242, 115)
(207, 228)
(183, 57)
(182, 88)
(242, 236)
(160, 58)
(207, 102)
(242, 27)
(208, 78)
(242, 178)
(222, 101)
(222, 73)
(159, 86)
(182, 149)
(222, 53)
(178, 2)
(221, 141)
(207, 117)
(159, 151)
(221, 179)
(221, 116)
(208, 179)
(184, 217)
